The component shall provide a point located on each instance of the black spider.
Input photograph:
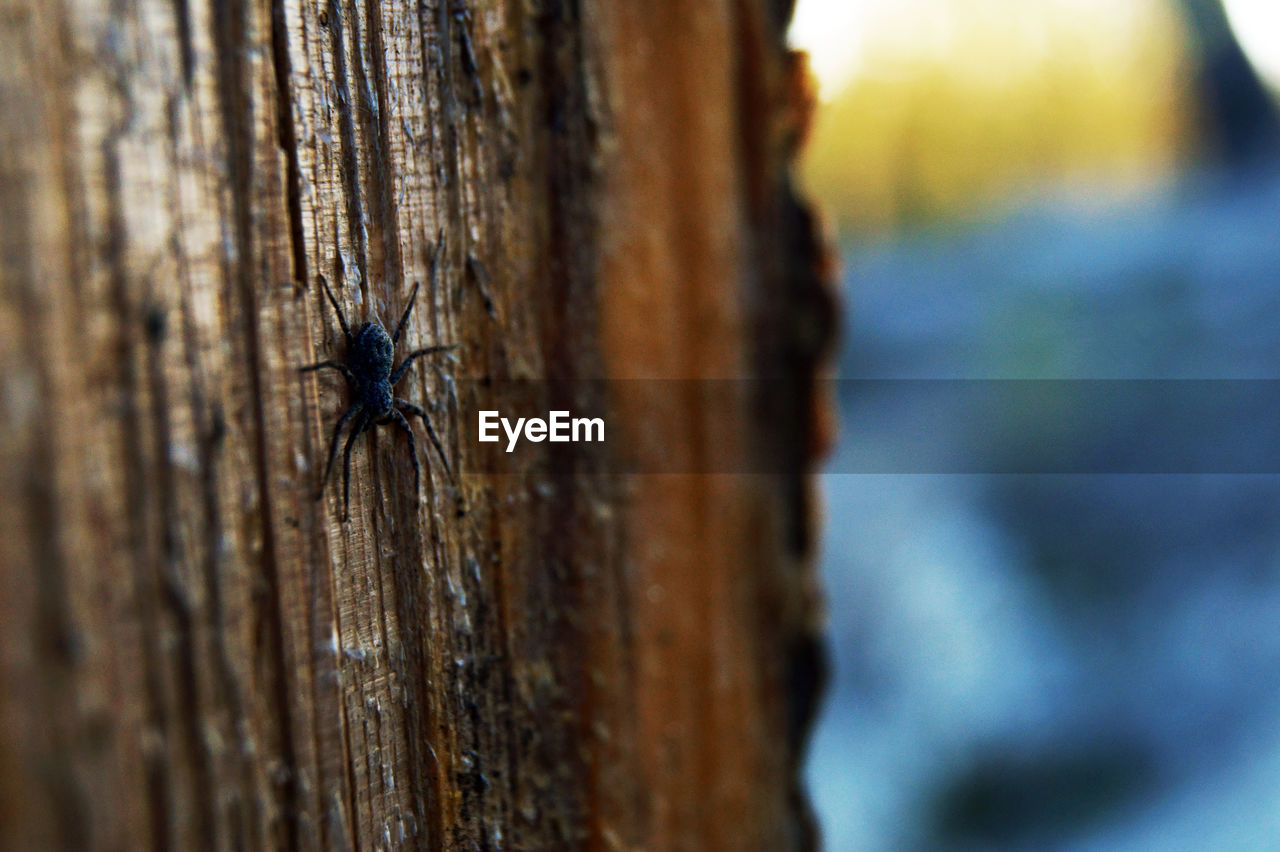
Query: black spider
(371, 376)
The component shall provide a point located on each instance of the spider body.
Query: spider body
(370, 359)
(372, 375)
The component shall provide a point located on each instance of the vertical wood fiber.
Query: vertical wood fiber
(194, 652)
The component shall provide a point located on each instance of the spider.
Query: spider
(371, 376)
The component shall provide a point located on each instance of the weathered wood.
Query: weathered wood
(194, 651)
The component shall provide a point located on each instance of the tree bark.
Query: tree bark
(196, 652)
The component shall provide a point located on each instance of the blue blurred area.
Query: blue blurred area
(1037, 661)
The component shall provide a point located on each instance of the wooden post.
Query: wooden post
(196, 652)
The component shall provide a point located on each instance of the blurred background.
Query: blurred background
(1063, 189)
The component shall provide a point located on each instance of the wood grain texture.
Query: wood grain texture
(194, 652)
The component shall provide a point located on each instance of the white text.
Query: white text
(558, 427)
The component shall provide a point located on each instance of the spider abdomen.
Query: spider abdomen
(372, 349)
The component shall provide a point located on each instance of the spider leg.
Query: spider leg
(395, 338)
(333, 365)
(333, 447)
(398, 419)
(342, 320)
(405, 405)
(356, 431)
(404, 365)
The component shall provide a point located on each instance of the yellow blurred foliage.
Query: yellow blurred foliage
(998, 101)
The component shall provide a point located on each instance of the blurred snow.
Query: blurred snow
(1075, 662)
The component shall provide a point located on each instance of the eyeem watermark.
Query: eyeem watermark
(558, 427)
